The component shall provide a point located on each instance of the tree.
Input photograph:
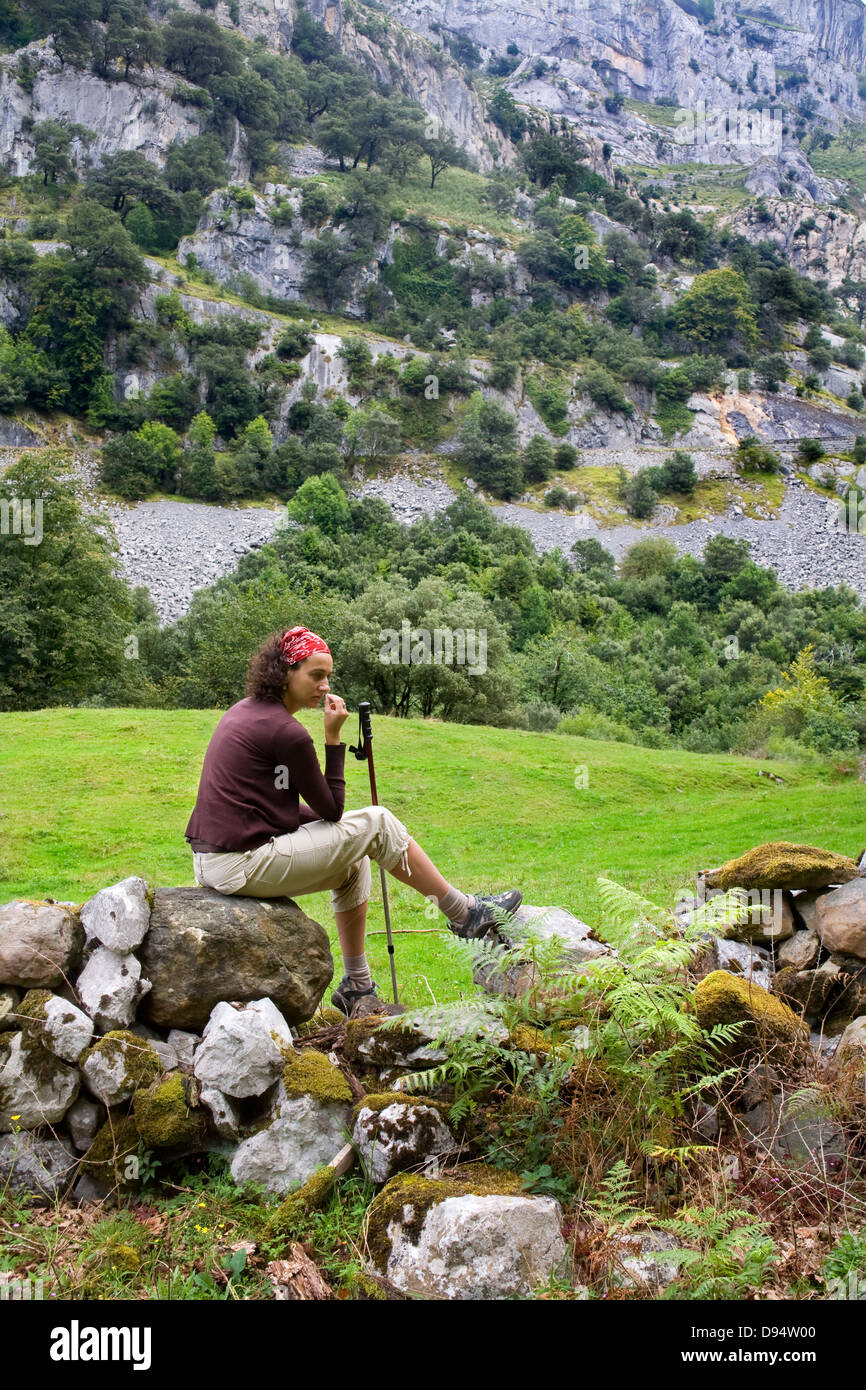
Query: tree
(330, 264)
(197, 164)
(443, 153)
(679, 473)
(639, 495)
(127, 178)
(771, 370)
(195, 45)
(199, 457)
(52, 144)
(373, 433)
(855, 290)
(717, 311)
(754, 457)
(488, 447)
(321, 502)
(434, 680)
(538, 459)
(65, 613)
(231, 397)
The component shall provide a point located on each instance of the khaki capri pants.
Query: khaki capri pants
(319, 855)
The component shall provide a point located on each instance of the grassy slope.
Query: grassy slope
(88, 797)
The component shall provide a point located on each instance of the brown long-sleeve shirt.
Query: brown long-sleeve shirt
(259, 763)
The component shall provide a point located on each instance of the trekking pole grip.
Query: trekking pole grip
(364, 716)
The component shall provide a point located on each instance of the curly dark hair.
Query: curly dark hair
(268, 670)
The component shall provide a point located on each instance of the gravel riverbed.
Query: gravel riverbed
(174, 548)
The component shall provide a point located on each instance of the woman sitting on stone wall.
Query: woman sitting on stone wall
(251, 834)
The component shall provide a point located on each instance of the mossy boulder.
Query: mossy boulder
(311, 1073)
(397, 1131)
(163, 1114)
(472, 1235)
(380, 1100)
(725, 998)
(525, 1037)
(407, 1198)
(106, 1159)
(35, 1086)
(780, 864)
(56, 1024)
(372, 1044)
(289, 1218)
(120, 1064)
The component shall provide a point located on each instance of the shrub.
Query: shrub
(754, 457)
(639, 495)
(678, 473)
(810, 450)
(558, 497)
(295, 342)
(604, 391)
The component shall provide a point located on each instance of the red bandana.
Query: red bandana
(299, 643)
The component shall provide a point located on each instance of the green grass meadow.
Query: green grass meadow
(88, 797)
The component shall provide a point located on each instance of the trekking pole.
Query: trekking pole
(364, 752)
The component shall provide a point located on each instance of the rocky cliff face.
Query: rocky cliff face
(646, 49)
(122, 115)
(831, 248)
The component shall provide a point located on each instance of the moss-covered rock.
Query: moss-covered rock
(406, 1199)
(120, 1064)
(288, 1220)
(311, 1073)
(370, 1288)
(780, 864)
(370, 1044)
(725, 998)
(115, 1142)
(163, 1114)
(31, 1010)
(525, 1037)
(380, 1100)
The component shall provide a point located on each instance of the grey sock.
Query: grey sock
(456, 906)
(358, 971)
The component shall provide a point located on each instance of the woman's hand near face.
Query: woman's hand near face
(335, 715)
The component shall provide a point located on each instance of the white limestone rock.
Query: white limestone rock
(478, 1247)
(223, 1111)
(83, 1119)
(110, 987)
(401, 1135)
(35, 1086)
(184, 1045)
(238, 1053)
(60, 1026)
(118, 1065)
(118, 917)
(306, 1136)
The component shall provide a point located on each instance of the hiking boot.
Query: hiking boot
(481, 918)
(357, 1003)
